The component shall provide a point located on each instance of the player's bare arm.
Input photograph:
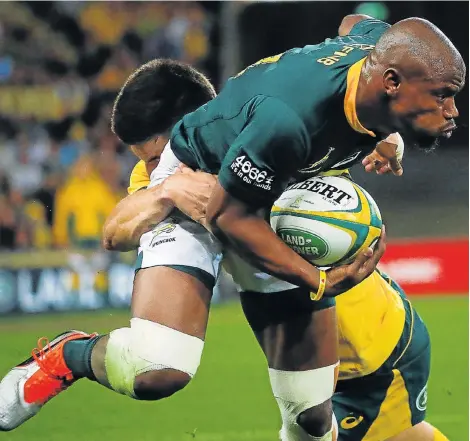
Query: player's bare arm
(238, 225)
(135, 215)
(140, 212)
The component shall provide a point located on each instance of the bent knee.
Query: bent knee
(155, 385)
(304, 398)
(149, 361)
(316, 421)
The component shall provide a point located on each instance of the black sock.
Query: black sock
(77, 356)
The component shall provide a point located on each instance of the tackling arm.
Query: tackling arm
(135, 215)
(140, 212)
(237, 225)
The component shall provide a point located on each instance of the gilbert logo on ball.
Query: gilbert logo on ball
(328, 220)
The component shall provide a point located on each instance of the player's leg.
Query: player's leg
(154, 357)
(160, 352)
(299, 339)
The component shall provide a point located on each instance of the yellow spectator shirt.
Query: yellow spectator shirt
(82, 206)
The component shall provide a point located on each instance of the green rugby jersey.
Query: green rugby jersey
(285, 117)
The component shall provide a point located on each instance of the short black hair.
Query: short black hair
(155, 97)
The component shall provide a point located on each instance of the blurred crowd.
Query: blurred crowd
(61, 64)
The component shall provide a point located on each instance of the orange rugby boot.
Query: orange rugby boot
(31, 384)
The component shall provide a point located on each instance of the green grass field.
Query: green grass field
(230, 399)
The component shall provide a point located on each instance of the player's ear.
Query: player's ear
(391, 81)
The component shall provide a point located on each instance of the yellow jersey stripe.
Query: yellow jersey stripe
(139, 178)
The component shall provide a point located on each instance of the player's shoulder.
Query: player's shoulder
(345, 50)
(371, 28)
(139, 178)
(361, 39)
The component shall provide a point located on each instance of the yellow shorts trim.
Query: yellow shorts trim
(411, 332)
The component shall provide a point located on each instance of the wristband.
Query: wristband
(321, 287)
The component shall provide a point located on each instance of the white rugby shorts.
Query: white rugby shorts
(178, 241)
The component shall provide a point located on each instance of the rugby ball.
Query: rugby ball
(328, 220)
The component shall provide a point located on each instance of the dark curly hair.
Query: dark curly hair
(155, 97)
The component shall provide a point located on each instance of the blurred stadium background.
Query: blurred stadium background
(62, 171)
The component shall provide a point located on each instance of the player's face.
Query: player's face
(150, 151)
(426, 110)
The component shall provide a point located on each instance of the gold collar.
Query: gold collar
(354, 73)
